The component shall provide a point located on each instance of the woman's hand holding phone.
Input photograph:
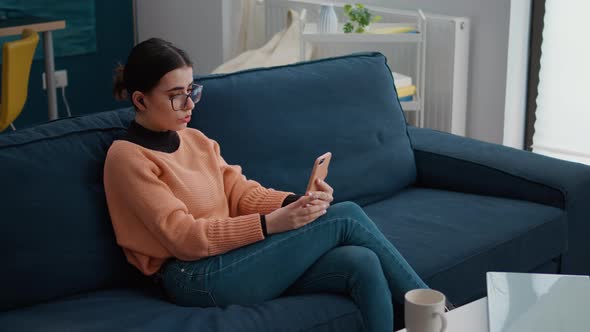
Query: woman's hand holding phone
(307, 208)
(295, 215)
(325, 192)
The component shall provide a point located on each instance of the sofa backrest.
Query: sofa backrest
(275, 121)
(56, 237)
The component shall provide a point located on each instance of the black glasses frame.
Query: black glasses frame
(194, 94)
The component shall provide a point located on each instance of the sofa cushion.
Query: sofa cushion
(56, 236)
(452, 239)
(133, 310)
(275, 121)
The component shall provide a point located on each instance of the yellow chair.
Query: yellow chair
(17, 57)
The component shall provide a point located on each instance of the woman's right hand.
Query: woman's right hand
(297, 214)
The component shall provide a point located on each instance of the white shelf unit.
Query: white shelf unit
(310, 34)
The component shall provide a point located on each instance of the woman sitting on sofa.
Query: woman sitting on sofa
(211, 236)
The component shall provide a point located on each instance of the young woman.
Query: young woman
(212, 236)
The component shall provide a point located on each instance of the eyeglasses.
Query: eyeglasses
(180, 101)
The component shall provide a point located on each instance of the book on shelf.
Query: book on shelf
(406, 91)
(391, 30)
(401, 80)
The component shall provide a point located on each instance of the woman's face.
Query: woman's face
(155, 109)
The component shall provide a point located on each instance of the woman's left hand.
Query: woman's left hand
(324, 195)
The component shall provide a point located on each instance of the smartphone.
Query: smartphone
(319, 171)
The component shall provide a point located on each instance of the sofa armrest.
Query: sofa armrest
(451, 162)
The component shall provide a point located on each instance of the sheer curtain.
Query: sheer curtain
(246, 26)
(562, 128)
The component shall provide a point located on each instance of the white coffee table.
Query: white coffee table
(472, 317)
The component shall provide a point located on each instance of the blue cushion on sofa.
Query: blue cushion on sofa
(275, 121)
(452, 239)
(134, 310)
(57, 237)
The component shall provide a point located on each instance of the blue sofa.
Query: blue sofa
(455, 207)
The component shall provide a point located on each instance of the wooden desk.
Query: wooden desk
(15, 26)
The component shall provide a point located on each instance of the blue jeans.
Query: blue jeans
(343, 251)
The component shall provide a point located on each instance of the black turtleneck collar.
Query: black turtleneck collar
(165, 141)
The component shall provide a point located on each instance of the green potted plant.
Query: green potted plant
(359, 17)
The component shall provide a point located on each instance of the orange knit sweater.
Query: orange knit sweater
(187, 204)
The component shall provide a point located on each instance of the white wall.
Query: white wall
(490, 21)
(196, 26)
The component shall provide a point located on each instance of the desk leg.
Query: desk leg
(50, 75)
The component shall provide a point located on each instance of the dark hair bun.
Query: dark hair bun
(119, 89)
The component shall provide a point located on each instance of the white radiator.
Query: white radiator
(447, 57)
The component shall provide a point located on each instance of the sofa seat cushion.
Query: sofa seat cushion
(452, 239)
(141, 310)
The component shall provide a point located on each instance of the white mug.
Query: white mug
(425, 311)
